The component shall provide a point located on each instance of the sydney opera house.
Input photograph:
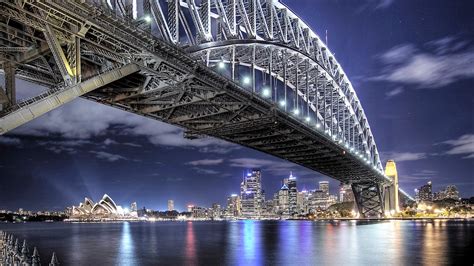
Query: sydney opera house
(104, 209)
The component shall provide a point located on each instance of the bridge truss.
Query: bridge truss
(246, 71)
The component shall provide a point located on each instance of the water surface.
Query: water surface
(299, 243)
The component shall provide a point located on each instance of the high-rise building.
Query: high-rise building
(170, 205)
(451, 192)
(303, 201)
(345, 193)
(216, 211)
(324, 187)
(391, 172)
(290, 182)
(425, 192)
(233, 206)
(251, 194)
(283, 205)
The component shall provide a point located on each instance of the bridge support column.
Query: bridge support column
(369, 199)
(10, 86)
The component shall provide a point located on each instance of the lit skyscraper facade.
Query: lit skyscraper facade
(345, 193)
(251, 194)
(283, 198)
(290, 182)
(233, 206)
(425, 192)
(324, 187)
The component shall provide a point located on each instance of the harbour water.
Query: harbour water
(429, 242)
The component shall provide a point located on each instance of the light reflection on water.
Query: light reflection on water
(126, 255)
(253, 242)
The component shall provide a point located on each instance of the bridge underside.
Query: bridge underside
(65, 45)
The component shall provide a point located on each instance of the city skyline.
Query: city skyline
(64, 155)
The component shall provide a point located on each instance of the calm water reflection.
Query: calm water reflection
(254, 242)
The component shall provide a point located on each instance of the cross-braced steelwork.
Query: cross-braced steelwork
(247, 71)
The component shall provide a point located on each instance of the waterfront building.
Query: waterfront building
(302, 201)
(170, 205)
(324, 187)
(251, 194)
(105, 208)
(290, 182)
(200, 213)
(216, 211)
(233, 206)
(425, 192)
(450, 192)
(319, 200)
(345, 193)
(283, 199)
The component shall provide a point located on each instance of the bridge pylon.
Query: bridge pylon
(369, 199)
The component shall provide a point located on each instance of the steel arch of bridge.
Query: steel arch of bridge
(183, 62)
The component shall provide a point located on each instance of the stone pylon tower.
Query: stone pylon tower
(391, 192)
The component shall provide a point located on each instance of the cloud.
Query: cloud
(83, 119)
(273, 166)
(206, 171)
(219, 149)
(375, 5)
(205, 162)
(132, 144)
(404, 156)
(445, 61)
(108, 142)
(60, 146)
(394, 92)
(423, 175)
(9, 141)
(174, 179)
(463, 145)
(110, 157)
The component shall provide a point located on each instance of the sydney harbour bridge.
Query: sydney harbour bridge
(249, 72)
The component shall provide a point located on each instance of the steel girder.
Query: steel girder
(173, 86)
(369, 198)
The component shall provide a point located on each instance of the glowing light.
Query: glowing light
(221, 65)
(246, 80)
(266, 92)
(296, 112)
(147, 19)
(308, 119)
(282, 103)
(233, 195)
(318, 125)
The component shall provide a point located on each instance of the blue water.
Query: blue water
(436, 242)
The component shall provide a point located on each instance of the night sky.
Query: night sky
(411, 63)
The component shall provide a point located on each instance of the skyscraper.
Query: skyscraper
(391, 172)
(233, 206)
(251, 194)
(324, 187)
(345, 193)
(425, 192)
(170, 205)
(283, 206)
(290, 182)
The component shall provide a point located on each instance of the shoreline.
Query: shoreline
(309, 220)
